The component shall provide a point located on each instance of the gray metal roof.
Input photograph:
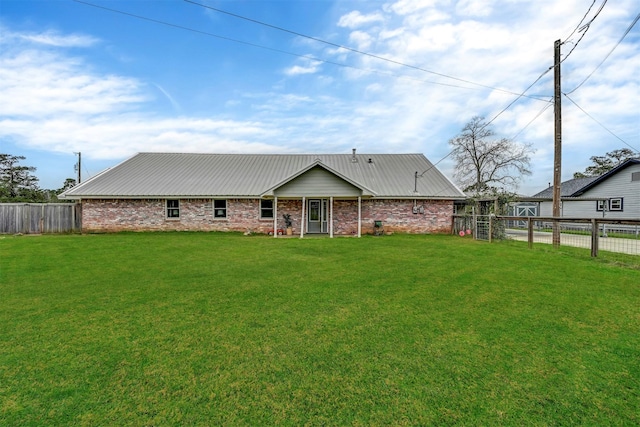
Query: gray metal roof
(567, 188)
(149, 175)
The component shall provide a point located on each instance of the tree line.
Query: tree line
(18, 184)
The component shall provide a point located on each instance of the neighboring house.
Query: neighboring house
(615, 194)
(330, 194)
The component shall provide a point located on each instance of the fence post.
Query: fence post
(530, 232)
(490, 228)
(594, 237)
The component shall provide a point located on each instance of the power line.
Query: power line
(519, 96)
(371, 55)
(584, 29)
(307, 57)
(545, 108)
(608, 54)
(496, 116)
(581, 21)
(603, 126)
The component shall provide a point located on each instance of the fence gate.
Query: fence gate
(483, 227)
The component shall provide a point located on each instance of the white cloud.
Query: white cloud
(476, 8)
(299, 69)
(355, 19)
(360, 39)
(52, 38)
(40, 83)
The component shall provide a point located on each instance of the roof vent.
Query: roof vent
(353, 155)
(370, 160)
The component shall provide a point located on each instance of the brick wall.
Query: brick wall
(396, 215)
(244, 215)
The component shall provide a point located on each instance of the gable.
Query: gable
(317, 182)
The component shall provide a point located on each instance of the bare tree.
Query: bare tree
(487, 165)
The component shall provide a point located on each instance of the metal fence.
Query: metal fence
(594, 234)
(38, 218)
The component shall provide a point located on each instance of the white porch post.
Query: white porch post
(302, 219)
(275, 216)
(359, 216)
(331, 216)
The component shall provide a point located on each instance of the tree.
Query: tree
(487, 165)
(603, 164)
(17, 184)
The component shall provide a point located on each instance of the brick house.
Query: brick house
(333, 194)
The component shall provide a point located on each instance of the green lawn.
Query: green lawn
(224, 329)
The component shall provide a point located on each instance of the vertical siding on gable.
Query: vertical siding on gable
(318, 182)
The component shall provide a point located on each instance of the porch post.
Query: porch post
(302, 219)
(331, 216)
(275, 216)
(359, 216)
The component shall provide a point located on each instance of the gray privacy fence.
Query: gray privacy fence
(614, 235)
(37, 218)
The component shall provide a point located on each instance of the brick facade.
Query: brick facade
(432, 216)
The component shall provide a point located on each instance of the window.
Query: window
(635, 176)
(609, 205)
(219, 208)
(266, 208)
(173, 208)
(615, 204)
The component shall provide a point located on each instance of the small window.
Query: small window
(635, 176)
(219, 208)
(173, 208)
(615, 204)
(266, 208)
(610, 205)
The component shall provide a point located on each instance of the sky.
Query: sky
(109, 79)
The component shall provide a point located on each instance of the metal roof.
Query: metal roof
(149, 175)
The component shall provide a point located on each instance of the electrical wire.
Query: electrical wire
(371, 55)
(633, 23)
(307, 57)
(603, 126)
(584, 30)
(519, 96)
(549, 103)
(545, 108)
(581, 21)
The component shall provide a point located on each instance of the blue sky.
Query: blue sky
(180, 77)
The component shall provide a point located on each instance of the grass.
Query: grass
(224, 329)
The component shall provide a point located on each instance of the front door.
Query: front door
(317, 216)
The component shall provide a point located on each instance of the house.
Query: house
(333, 194)
(615, 194)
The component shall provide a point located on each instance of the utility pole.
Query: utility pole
(557, 154)
(79, 166)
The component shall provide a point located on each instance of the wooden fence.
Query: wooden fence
(38, 218)
(613, 235)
